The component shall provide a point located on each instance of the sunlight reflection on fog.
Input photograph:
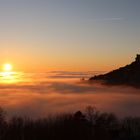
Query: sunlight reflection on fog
(10, 77)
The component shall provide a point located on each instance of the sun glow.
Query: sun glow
(7, 67)
(7, 76)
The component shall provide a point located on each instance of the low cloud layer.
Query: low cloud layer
(42, 95)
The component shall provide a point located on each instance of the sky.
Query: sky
(69, 35)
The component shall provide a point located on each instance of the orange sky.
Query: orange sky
(75, 36)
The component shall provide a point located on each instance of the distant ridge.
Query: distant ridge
(128, 75)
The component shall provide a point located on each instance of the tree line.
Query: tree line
(89, 124)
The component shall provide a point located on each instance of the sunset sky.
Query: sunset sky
(74, 35)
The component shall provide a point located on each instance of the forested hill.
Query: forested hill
(127, 75)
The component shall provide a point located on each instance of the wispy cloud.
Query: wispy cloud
(109, 19)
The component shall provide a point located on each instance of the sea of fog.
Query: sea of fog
(42, 94)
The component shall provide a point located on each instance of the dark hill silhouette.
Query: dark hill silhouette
(128, 75)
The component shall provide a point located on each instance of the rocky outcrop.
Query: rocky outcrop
(128, 75)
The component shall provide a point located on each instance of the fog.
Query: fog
(41, 94)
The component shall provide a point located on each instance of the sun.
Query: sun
(7, 67)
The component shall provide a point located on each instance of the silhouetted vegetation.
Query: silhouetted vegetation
(128, 75)
(88, 125)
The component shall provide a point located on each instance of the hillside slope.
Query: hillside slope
(128, 75)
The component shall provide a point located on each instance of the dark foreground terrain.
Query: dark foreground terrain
(128, 75)
(89, 125)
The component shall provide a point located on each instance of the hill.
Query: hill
(127, 75)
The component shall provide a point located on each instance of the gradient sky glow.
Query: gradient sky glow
(77, 35)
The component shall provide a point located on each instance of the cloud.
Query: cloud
(71, 74)
(109, 19)
(38, 98)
